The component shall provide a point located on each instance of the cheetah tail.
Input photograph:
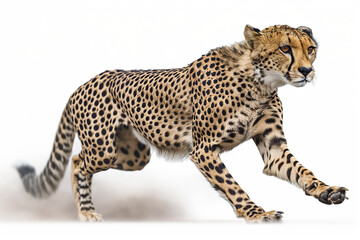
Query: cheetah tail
(46, 183)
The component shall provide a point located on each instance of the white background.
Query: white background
(48, 49)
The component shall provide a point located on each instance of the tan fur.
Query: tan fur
(224, 98)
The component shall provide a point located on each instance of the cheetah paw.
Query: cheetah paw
(333, 195)
(265, 217)
(90, 216)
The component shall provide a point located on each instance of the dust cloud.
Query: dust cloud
(115, 203)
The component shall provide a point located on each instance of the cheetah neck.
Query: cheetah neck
(270, 80)
(238, 59)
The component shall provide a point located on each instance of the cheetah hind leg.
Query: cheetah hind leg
(81, 186)
(132, 154)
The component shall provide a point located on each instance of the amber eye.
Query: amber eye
(310, 50)
(285, 49)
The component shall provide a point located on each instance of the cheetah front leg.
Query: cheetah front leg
(211, 166)
(281, 163)
(81, 185)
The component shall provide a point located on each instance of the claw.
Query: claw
(278, 215)
(267, 219)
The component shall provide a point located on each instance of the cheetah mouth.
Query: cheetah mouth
(301, 82)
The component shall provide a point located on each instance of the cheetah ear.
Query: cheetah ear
(306, 30)
(251, 35)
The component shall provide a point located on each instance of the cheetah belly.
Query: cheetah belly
(175, 146)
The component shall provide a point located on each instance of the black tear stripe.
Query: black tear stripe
(287, 75)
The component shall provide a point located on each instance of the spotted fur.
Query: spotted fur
(224, 98)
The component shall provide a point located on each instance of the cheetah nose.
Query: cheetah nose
(305, 71)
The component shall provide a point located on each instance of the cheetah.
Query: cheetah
(217, 102)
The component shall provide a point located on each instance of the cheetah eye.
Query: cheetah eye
(285, 49)
(310, 50)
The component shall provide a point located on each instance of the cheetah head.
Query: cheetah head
(282, 54)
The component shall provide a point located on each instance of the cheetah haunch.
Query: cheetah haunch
(226, 97)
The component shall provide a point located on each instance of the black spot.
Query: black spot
(124, 150)
(241, 130)
(100, 141)
(211, 166)
(276, 141)
(221, 166)
(218, 170)
(232, 192)
(141, 146)
(280, 165)
(232, 135)
(136, 153)
(130, 163)
(270, 120)
(57, 156)
(289, 173)
(208, 175)
(258, 119)
(247, 207)
(267, 131)
(271, 164)
(206, 149)
(289, 157)
(219, 179)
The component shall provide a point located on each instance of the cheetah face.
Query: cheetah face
(282, 55)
